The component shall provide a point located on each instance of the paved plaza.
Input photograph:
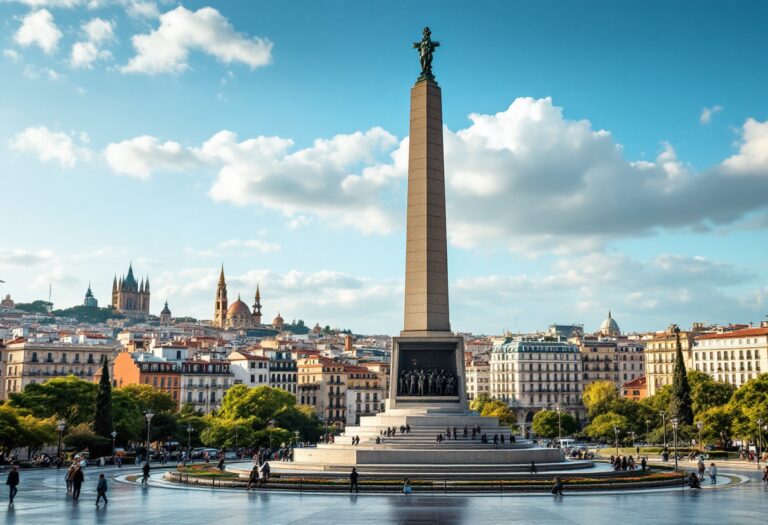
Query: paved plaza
(43, 499)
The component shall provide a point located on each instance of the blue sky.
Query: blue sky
(617, 156)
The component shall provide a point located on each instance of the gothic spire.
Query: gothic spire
(146, 285)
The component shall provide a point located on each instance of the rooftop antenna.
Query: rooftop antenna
(50, 291)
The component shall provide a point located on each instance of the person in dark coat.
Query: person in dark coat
(77, 481)
(254, 477)
(101, 490)
(12, 481)
(145, 473)
(557, 488)
(353, 477)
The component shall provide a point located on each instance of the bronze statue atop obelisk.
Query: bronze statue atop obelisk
(427, 359)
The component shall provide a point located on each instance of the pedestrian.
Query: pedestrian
(693, 481)
(407, 486)
(533, 467)
(102, 461)
(557, 488)
(253, 479)
(145, 473)
(101, 490)
(77, 481)
(12, 481)
(353, 476)
(644, 463)
(265, 469)
(713, 473)
(68, 477)
(765, 475)
(702, 469)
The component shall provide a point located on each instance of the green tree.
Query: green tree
(748, 405)
(262, 402)
(545, 424)
(680, 405)
(602, 426)
(127, 417)
(303, 419)
(35, 307)
(11, 432)
(479, 402)
(717, 421)
(37, 432)
(226, 433)
(102, 422)
(707, 393)
(598, 397)
(81, 438)
(501, 410)
(69, 398)
(149, 398)
(273, 437)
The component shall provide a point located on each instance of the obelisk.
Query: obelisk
(427, 359)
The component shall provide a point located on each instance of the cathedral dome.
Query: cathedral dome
(278, 322)
(610, 326)
(238, 308)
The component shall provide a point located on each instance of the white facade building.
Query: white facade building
(732, 357)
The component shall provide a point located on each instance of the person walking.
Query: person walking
(765, 475)
(533, 467)
(68, 478)
(713, 473)
(145, 473)
(13, 482)
(557, 488)
(353, 477)
(253, 479)
(101, 490)
(77, 481)
(702, 469)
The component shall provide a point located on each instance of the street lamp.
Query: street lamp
(114, 435)
(664, 422)
(296, 441)
(633, 439)
(559, 427)
(189, 440)
(647, 429)
(700, 425)
(616, 431)
(759, 440)
(149, 416)
(675, 422)
(61, 425)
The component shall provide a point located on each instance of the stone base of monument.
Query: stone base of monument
(418, 453)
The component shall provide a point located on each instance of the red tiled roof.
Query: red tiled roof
(748, 332)
(635, 383)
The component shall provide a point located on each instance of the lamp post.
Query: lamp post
(633, 439)
(189, 440)
(675, 422)
(664, 423)
(114, 435)
(61, 425)
(700, 425)
(149, 416)
(616, 431)
(647, 429)
(296, 440)
(559, 427)
(759, 440)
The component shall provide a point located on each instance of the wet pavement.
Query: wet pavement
(43, 499)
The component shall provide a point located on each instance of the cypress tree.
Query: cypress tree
(102, 423)
(680, 404)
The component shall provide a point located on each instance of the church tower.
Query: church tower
(220, 312)
(114, 292)
(257, 307)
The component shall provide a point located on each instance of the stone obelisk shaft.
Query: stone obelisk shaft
(426, 262)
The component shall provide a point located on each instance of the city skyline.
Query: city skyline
(181, 136)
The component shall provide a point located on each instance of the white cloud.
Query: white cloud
(33, 73)
(255, 244)
(97, 32)
(141, 9)
(20, 257)
(12, 55)
(166, 49)
(525, 179)
(51, 3)
(708, 113)
(50, 146)
(38, 28)
(141, 156)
